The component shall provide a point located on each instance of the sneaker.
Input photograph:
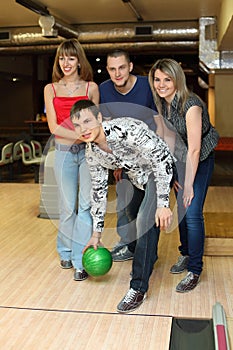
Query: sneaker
(122, 254)
(131, 301)
(118, 246)
(181, 264)
(188, 283)
(66, 264)
(80, 275)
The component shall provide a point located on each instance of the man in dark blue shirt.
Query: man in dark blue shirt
(126, 95)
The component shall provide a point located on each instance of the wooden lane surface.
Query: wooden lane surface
(36, 294)
(66, 330)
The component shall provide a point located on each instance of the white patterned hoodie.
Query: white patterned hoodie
(139, 151)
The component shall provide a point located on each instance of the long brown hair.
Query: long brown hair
(174, 70)
(72, 47)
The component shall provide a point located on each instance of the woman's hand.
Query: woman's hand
(163, 218)
(188, 195)
(94, 241)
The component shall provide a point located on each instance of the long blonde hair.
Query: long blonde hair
(173, 69)
(72, 47)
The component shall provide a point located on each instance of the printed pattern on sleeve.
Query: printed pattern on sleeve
(139, 151)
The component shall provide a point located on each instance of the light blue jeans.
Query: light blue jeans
(75, 226)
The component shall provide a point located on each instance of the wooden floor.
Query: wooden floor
(41, 307)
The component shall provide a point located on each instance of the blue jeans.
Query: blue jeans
(129, 199)
(191, 221)
(146, 244)
(75, 226)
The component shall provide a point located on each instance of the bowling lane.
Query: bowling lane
(33, 279)
(59, 330)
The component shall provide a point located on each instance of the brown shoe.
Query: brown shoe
(66, 264)
(80, 275)
(188, 283)
(131, 301)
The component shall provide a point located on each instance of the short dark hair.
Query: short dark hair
(117, 53)
(83, 104)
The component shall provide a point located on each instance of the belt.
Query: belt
(75, 148)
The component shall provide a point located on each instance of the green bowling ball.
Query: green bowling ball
(97, 262)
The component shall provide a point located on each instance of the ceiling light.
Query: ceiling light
(47, 23)
(64, 29)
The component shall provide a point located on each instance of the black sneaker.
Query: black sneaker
(80, 275)
(188, 283)
(181, 264)
(117, 247)
(66, 264)
(122, 254)
(131, 301)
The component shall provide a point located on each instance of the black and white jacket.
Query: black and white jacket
(139, 151)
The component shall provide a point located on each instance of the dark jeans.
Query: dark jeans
(191, 221)
(129, 199)
(146, 244)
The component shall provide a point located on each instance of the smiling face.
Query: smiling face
(68, 64)
(89, 126)
(164, 85)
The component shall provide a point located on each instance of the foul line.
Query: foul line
(81, 311)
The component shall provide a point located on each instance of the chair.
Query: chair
(29, 160)
(36, 148)
(17, 153)
(7, 158)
